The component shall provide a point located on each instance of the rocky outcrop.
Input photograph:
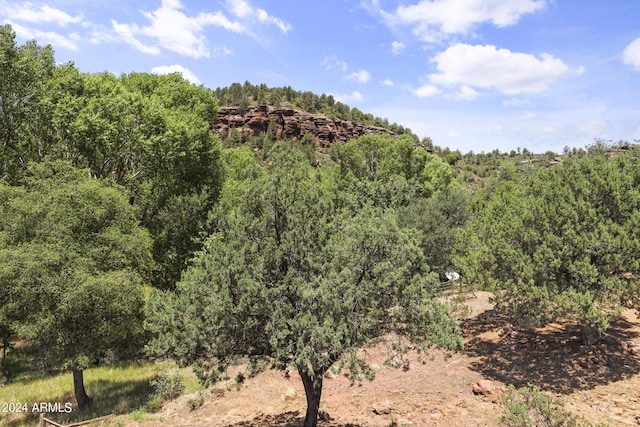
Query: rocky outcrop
(290, 124)
(483, 387)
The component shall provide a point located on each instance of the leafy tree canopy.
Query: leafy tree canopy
(24, 71)
(292, 278)
(150, 133)
(564, 243)
(72, 261)
(391, 171)
(439, 219)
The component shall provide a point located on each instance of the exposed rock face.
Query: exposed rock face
(291, 124)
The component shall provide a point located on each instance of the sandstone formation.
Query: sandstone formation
(291, 124)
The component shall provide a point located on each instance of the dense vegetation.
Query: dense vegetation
(127, 229)
(562, 243)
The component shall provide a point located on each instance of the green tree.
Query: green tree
(562, 244)
(72, 262)
(438, 218)
(272, 129)
(152, 134)
(391, 171)
(308, 146)
(240, 170)
(24, 71)
(291, 278)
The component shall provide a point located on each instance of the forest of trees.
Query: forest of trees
(128, 230)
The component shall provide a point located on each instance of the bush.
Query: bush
(167, 386)
(531, 407)
(154, 404)
(196, 402)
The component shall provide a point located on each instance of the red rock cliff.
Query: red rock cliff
(291, 124)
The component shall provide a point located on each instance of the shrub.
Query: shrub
(154, 404)
(196, 402)
(531, 407)
(167, 386)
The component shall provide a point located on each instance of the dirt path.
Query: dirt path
(601, 382)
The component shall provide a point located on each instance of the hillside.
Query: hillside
(243, 96)
(291, 124)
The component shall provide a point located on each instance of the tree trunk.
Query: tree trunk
(313, 390)
(42, 358)
(82, 397)
(5, 344)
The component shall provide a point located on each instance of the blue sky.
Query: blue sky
(471, 74)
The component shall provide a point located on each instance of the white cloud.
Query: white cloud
(434, 19)
(397, 47)
(527, 115)
(426, 91)
(631, 54)
(466, 93)
(331, 62)
(346, 98)
(485, 66)
(244, 10)
(126, 34)
(387, 83)
(46, 37)
(239, 8)
(454, 133)
(28, 12)
(185, 72)
(362, 76)
(169, 28)
(264, 17)
(175, 31)
(223, 50)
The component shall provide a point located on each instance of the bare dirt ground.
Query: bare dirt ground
(599, 382)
